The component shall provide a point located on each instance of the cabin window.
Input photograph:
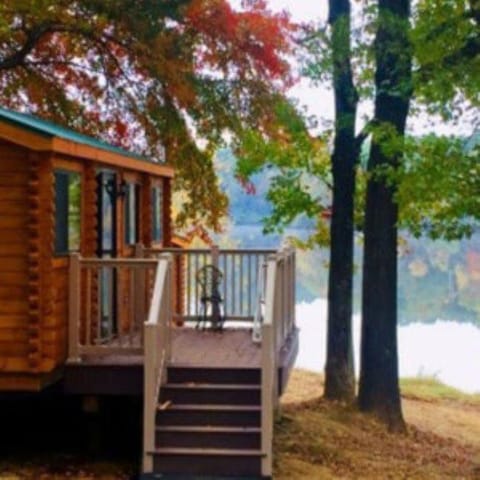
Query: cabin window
(132, 195)
(67, 212)
(157, 209)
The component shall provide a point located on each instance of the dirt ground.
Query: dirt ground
(314, 439)
(323, 440)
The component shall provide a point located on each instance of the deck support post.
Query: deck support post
(74, 293)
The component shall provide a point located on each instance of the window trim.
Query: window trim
(157, 213)
(66, 231)
(136, 188)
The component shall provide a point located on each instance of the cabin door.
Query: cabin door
(107, 248)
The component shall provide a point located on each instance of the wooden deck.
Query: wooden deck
(191, 348)
(186, 374)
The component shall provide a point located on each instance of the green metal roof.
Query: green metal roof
(50, 129)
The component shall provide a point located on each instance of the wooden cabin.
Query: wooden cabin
(96, 297)
(62, 192)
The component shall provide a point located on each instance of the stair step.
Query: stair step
(209, 414)
(208, 436)
(212, 386)
(213, 407)
(216, 375)
(207, 461)
(207, 393)
(208, 451)
(208, 428)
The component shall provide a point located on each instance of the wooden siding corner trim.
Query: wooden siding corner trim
(34, 251)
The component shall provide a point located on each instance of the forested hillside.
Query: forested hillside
(437, 279)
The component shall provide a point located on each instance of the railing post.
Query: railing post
(293, 289)
(269, 371)
(169, 310)
(149, 403)
(74, 293)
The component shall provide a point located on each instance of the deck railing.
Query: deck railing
(108, 303)
(157, 341)
(239, 286)
(278, 323)
(259, 286)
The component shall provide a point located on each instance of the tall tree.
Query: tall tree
(398, 167)
(142, 74)
(339, 372)
(379, 388)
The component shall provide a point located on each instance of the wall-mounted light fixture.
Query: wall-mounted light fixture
(116, 190)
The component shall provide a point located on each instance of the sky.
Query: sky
(318, 100)
(300, 10)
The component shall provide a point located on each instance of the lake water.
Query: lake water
(446, 350)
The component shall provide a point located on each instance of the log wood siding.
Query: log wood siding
(33, 280)
(15, 267)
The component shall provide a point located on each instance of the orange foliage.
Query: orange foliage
(151, 74)
(251, 40)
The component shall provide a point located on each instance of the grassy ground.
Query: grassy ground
(320, 440)
(314, 440)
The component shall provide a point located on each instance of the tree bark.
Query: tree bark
(339, 372)
(379, 391)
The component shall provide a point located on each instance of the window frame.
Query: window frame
(157, 198)
(63, 247)
(130, 221)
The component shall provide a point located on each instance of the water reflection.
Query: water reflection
(448, 350)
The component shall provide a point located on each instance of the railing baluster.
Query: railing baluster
(249, 284)
(224, 267)
(131, 298)
(257, 260)
(197, 307)
(241, 284)
(99, 305)
(117, 291)
(74, 293)
(188, 258)
(234, 291)
(225, 282)
(88, 306)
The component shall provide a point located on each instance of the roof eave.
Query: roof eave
(42, 143)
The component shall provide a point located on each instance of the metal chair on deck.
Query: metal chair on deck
(209, 278)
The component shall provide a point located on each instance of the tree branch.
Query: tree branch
(32, 38)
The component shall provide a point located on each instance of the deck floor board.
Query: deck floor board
(199, 348)
(230, 348)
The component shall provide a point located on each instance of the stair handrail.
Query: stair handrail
(269, 375)
(157, 351)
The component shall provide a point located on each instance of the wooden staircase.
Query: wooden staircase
(208, 423)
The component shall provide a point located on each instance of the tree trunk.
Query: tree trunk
(339, 373)
(379, 391)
